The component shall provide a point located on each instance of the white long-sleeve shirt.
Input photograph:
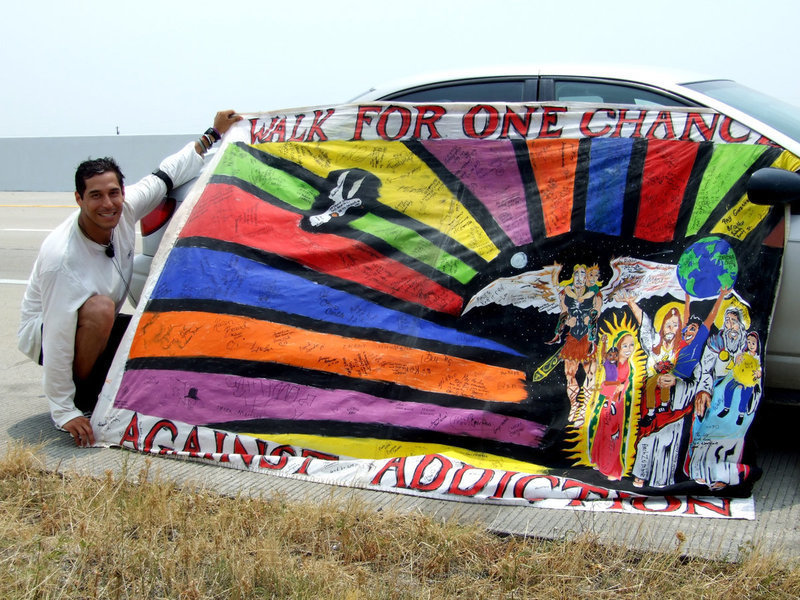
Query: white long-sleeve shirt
(71, 268)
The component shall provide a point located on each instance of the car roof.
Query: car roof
(666, 78)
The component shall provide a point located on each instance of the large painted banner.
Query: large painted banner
(560, 305)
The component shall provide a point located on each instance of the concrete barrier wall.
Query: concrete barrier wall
(48, 164)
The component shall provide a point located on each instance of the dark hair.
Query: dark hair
(758, 339)
(95, 166)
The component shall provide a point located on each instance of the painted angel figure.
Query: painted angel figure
(578, 302)
(581, 303)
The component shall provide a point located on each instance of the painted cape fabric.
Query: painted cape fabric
(536, 303)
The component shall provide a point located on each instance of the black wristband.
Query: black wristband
(212, 133)
(165, 178)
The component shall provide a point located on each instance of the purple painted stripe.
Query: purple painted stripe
(201, 398)
(489, 170)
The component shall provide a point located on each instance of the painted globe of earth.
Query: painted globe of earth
(707, 266)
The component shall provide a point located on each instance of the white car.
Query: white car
(643, 87)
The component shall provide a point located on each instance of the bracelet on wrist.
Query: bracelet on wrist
(213, 134)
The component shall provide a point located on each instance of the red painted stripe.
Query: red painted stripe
(667, 168)
(227, 213)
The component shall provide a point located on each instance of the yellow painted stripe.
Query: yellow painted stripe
(744, 216)
(787, 161)
(741, 219)
(377, 449)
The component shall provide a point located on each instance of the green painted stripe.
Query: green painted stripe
(728, 163)
(411, 243)
(238, 163)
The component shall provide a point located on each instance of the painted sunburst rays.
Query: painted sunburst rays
(373, 248)
(418, 197)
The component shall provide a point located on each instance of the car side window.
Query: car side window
(483, 91)
(594, 91)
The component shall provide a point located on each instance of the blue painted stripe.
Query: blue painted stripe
(204, 274)
(608, 172)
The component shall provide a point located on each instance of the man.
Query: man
(695, 335)
(580, 306)
(658, 444)
(70, 312)
(717, 442)
(662, 350)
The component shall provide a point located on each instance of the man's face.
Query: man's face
(101, 205)
(732, 322)
(592, 275)
(690, 331)
(733, 332)
(670, 328)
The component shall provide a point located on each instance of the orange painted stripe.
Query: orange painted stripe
(554, 163)
(200, 334)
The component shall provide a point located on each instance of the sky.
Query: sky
(163, 67)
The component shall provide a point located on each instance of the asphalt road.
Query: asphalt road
(26, 220)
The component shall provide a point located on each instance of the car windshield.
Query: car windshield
(775, 113)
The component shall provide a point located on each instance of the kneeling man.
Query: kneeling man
(70, 312)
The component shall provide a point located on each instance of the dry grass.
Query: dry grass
(76, 537)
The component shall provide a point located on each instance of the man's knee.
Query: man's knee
(95, 323)
(97, 314)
